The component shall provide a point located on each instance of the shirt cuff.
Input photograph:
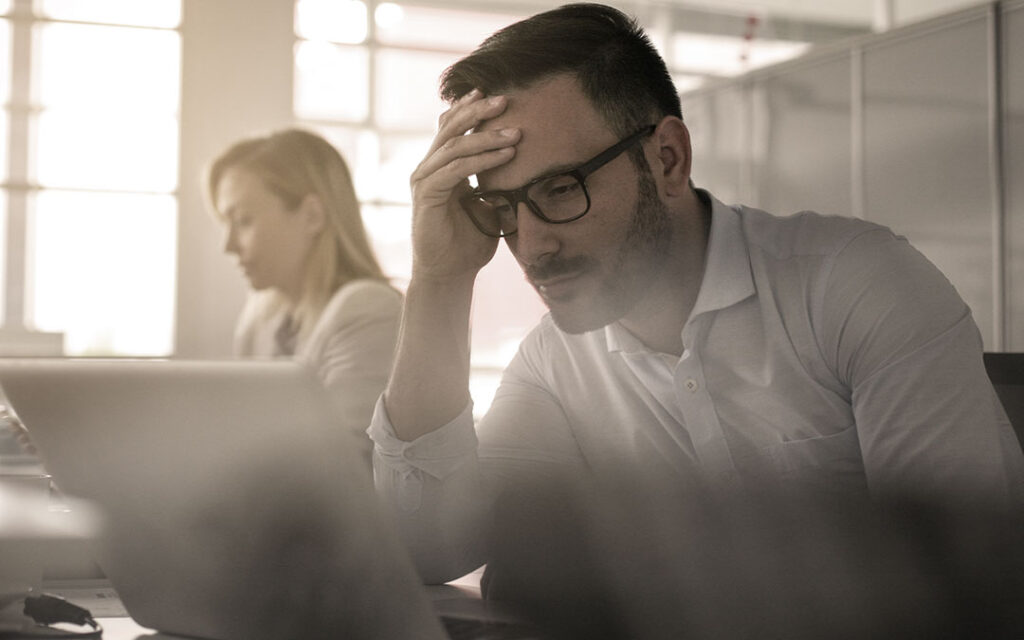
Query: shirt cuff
(438, 453)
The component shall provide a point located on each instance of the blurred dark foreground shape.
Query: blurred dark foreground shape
(665, 560)
(301, 554)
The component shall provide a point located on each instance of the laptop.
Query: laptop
(232, 505)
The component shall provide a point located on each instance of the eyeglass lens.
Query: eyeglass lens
(556, 199)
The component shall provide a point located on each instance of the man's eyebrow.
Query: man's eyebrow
(552, 171)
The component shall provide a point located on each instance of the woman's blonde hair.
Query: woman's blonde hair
(294, 164)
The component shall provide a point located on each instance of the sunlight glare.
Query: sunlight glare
(341, 21)
(147, 13)
(388, 15)
(331, 82)
(102, 270)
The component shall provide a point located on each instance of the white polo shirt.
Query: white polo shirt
(821, 350)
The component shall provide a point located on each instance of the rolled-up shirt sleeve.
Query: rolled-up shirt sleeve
(443, 485)
(435, 489)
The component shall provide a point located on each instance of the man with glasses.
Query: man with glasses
(686, 338)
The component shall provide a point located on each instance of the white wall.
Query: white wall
(236, 80)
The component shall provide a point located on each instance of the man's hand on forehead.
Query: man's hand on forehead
(446, 244)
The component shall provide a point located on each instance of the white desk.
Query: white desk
(98, 597)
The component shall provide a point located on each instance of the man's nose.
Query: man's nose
(534, 238)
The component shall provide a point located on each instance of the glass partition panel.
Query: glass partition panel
(800, 148)
(1013, 77)
(101, 269)
(907, 11)
(716, 123)
(927, 167)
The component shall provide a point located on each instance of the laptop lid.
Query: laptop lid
(234, 507)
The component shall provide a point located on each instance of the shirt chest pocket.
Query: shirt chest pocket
(833, 461)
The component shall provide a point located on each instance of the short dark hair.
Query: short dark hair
(612, 58)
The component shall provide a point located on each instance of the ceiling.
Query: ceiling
(722, 38)
(841, 12)
(846, 15)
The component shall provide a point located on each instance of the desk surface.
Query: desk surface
(98, 597)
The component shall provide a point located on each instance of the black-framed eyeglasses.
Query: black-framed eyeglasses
(555, 199)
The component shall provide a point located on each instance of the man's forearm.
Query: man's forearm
(429, 384)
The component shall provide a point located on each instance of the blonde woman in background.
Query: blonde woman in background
(319, 295)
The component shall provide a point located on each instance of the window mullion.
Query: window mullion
(18, 159)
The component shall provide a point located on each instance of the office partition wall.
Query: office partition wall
(926, 150)
(1012, 179)
(801, 138)
(920, 129)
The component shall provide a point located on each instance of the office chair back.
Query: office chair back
(1006, 371)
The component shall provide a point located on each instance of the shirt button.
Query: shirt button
(691, 384)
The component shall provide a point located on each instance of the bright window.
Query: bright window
(104, 67)
(407, 88)
(102, 265)
(149, 13)
(331, 81)
(436, 28)
(331, 20)
(92, 173)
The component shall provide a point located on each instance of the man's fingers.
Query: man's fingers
(467, 155)
(466, 113)
(460, 150)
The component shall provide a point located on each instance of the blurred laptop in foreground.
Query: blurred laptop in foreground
(231, 506)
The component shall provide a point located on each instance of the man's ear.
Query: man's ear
(311, 214)
(674, 155)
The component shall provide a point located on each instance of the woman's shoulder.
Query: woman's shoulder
(362, 298)
(359, 308)
(366, 293)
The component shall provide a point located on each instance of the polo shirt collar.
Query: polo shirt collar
(727, 278)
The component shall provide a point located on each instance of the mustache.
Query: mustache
(555, 266)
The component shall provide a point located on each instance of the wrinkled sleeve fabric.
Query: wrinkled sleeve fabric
(903, 341)
(442, 486)
(352, 346)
